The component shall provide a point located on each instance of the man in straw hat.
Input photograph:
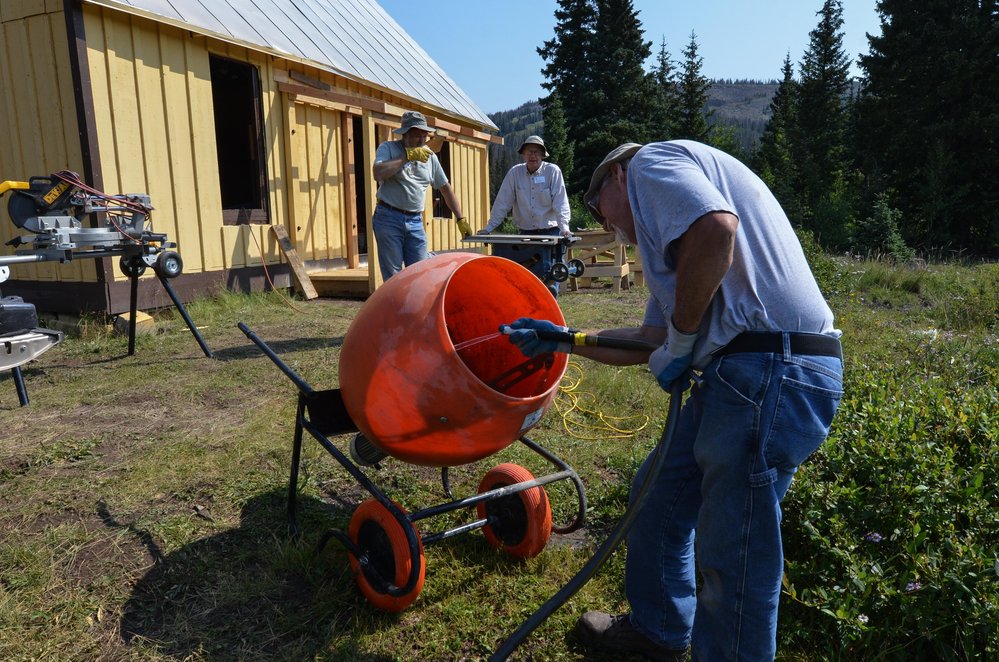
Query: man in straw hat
(404, 169)
(733, 300)
(535, 192)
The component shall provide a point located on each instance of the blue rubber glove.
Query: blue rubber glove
(672, 361)
(524, 334)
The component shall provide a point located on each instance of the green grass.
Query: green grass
(142, 498)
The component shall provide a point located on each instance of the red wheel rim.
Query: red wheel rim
(380, 535)
(522, 522)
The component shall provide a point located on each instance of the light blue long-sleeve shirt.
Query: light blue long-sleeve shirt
(538, 200)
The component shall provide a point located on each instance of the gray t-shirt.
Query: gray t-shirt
(407, 189)
(769, 286)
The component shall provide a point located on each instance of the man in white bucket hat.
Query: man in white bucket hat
(535, 192)
(404, 169)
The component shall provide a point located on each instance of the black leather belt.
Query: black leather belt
(401, 211)
(801, 343)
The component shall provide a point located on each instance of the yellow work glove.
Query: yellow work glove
(421, 154)
(464, 228)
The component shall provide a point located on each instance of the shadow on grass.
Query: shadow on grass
(251, 594)
(279, 347)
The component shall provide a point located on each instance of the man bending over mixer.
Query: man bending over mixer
(733, 301)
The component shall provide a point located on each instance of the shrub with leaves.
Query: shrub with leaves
(892, 530)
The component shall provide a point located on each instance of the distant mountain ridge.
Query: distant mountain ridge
(744, 105)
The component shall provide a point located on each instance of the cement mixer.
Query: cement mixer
(426, 378)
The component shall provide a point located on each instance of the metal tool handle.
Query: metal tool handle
(589, 340)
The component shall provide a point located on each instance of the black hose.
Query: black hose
(604, 551)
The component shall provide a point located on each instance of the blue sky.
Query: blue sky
(489, 47)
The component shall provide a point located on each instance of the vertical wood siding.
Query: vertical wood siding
(38, 116)
(316, 182)
(155, 125)
(469, 179)
(151, 95)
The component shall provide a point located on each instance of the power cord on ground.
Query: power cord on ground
(267, 275)
(586, 424)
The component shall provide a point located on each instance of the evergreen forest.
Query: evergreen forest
(898, 164)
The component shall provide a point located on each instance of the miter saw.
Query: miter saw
(53, 210)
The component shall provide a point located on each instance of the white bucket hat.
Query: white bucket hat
(533, 140)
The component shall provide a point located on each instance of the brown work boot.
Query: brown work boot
(615, 634)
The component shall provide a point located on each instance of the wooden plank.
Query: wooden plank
(322, 103)
(297, 266)
(602, 257)
(204, 158)
(299, 77)
(370, 138)
(349, 190)
(183, 183)
(306, 91)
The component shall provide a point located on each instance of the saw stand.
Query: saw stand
(133, 267)
(525, 250)
(52, 211)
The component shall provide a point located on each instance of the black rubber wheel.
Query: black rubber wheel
(132, 266)
(169, 264)
(560, 272)
(576, 268)
(382, 539)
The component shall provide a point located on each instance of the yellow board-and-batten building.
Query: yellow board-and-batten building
(233, 121)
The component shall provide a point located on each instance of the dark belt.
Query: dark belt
(801, 343)
(401, 211)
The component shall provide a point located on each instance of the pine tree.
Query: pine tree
(774, 161)
(619, 103)
(693, 123)
(928, 122)
(567, 55)
(613, 98)
(667, 96)
(561, 148)
(819, 137)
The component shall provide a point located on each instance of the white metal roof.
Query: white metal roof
(354, 38)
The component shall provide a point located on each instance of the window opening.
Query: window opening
(239, 137)
(441, 210)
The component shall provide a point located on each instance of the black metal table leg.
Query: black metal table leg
(187, 318)
(22, 392)
(132, 307)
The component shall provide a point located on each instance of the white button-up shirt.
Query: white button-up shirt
(538, 200)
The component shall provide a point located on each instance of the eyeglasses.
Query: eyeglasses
(593, 203)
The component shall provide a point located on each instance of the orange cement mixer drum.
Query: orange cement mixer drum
(418, 398)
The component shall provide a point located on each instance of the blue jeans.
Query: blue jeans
(401, 239)
(749, 422)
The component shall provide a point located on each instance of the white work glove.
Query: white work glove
(672, 361)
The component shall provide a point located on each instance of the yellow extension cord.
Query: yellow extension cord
(579, 421)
